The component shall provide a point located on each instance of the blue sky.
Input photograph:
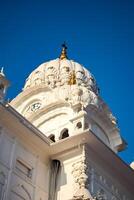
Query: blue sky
(99, 34)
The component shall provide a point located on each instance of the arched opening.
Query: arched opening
(52, 137)
(79, 125)
(64, 134)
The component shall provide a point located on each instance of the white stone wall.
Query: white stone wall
(101, 181)
(29, 183)
(66, 186)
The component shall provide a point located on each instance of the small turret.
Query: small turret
(4, 84)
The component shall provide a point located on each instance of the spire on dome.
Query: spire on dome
(64, 51)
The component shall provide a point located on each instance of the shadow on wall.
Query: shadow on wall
(57, 178)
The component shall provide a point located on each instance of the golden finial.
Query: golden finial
(72, 80)
(63, 52)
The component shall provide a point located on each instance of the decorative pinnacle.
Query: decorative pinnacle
(2, 71)
(72, 80)
(64, 51)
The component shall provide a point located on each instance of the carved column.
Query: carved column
(81, 177)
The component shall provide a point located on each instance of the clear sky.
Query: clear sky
(99, 34)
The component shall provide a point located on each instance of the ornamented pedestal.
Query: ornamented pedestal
(80, 173)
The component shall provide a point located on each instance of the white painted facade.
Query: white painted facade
(59, 140)
(65, 94)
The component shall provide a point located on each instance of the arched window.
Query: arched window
(52, 137)
(64, 133)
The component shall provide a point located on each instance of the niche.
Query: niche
(52, 137)
(64, 134)
(79, 125)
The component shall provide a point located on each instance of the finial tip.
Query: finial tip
(64, 45)
(63, 52)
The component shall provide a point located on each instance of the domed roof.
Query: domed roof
(62, 94)
(58, 72)
(61, 71)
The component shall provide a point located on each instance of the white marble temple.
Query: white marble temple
(59, 140)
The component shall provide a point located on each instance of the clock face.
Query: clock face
(35, 106)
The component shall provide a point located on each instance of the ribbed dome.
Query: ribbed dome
(62, 95)
(59, 72)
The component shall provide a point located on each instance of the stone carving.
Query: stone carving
(22, 191)
(32, 108)
(113, 198)
(38, 78)
(92, 85)
(35, 106)
(86, 176)
(80, 173)
(80, 74)
(53, 75)
(76, 94)
(28, 83)
(26, 191)
(100, 195)
(97, 178)
(69, 81)
(65, 75)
